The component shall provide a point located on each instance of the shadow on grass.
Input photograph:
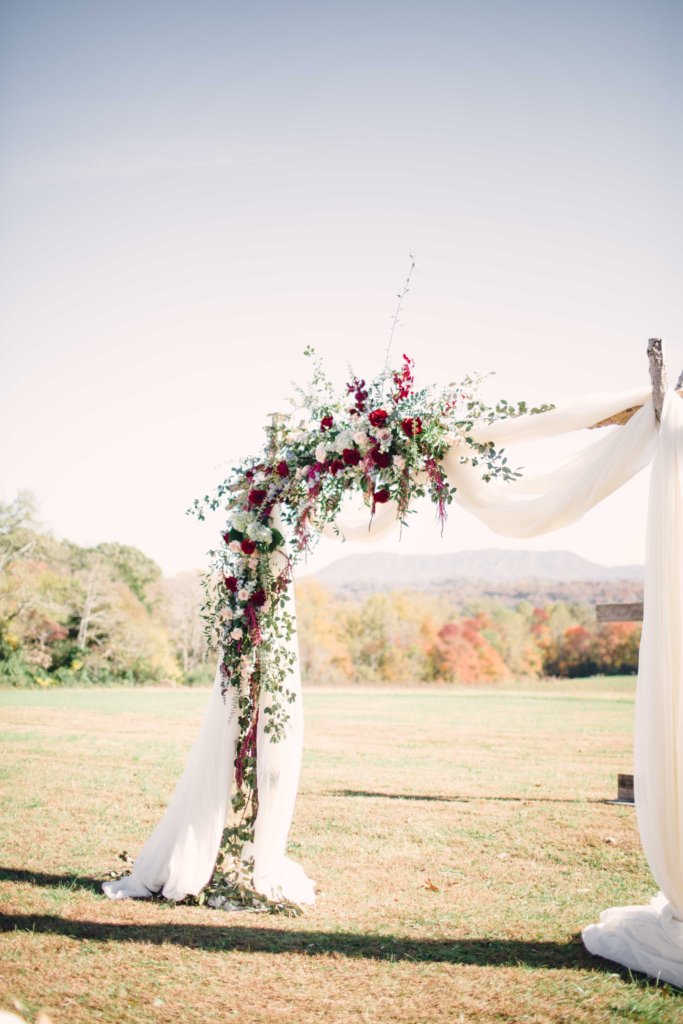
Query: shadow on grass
(73, 882)
(466, 799)
(255, 939)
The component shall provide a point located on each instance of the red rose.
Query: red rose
(381, 496)
(248, 547)
(230, 583)
(381, 459)
(257, 497)
(326, 422)
(258, 598)
(412, 427)
(378, 417)
(282, 469)
(351, 456)
(335, 465)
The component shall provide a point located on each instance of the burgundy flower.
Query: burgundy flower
(381, 459)
(351, 456)
(230, 583)
(357, 389)
(258, 598)
(378, 417)
(248, 547)
(381, 496)
(282, 469)
(226, 537)
(335, 465)
(412, 427)
(257, 497)
(326, 422)
(403, 380)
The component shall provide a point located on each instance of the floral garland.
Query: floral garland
(383, 437)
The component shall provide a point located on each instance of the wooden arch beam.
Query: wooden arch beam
(658, 377)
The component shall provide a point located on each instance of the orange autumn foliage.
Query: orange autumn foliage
(463, 655)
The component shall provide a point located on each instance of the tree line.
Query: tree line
(414, 637)
(72, 615)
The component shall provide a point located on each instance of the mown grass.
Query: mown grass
(460, 840)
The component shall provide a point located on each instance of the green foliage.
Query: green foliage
(90, 616)
(136, 570)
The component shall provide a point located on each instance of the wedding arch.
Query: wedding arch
(222, 839)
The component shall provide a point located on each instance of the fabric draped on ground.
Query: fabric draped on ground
(179, 857)
(180, 854)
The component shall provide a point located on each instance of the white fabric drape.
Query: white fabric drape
(650, 938)
(180, 854)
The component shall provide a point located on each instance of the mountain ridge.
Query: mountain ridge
(491, 570)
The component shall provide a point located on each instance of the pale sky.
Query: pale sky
(194, 193)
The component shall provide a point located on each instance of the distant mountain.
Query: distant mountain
(551, 575)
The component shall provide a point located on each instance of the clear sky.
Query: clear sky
(192, 193)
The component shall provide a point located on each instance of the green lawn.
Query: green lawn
(460, 840)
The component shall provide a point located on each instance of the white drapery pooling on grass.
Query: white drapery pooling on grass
(179, 856)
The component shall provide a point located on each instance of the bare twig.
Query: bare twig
(401, 296)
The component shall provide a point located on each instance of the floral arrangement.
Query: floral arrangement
(384, 437)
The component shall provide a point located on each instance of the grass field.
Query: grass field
(460, 840)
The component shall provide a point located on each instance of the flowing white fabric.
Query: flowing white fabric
(650, 938)
(537, 504)
(179, 857)
(180, 854)
(644, 938)
(569, 415)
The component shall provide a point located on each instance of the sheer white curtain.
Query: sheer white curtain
(179, 855)
(650, 938)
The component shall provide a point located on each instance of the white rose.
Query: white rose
(399, 462)
(234, 545)
(226, 614)
(237, 633)
(321, 452)
(243, 594)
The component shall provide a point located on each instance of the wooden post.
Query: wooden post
(658, 378)
(634, 612)
(657, 374)
(621, 613)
